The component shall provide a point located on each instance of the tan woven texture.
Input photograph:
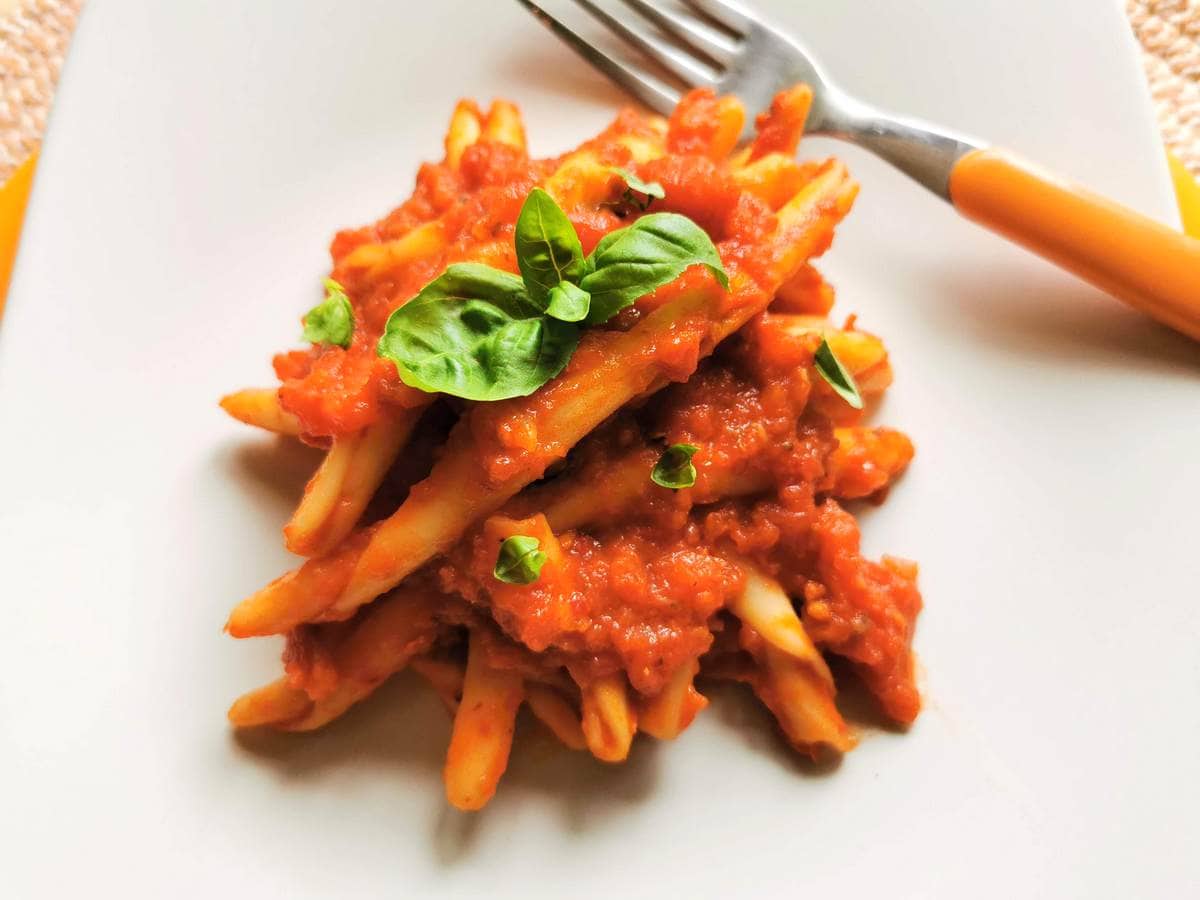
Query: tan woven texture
(1169, 31)
(34, 36)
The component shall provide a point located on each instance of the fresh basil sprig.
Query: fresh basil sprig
(520, 561)
(838, 377)
(332, 320)
(674, 468)
(548, 249)
(474, 332)
(631, 262)
(568, 302)
(484, 334)
(652, 190)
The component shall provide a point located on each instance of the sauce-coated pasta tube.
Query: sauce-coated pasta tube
(668, 714)
(802, 703)
(260, 407)
(793, 679)
(724, 118)
(781, 127)
(272, 704)
(609, 720)
(379, 644)
(390, 634)
(483, 731)
(337, 494)
(557, 714)
(765, 607)
(504, 125)
(466, 125)
(445, 677)
(863, 354)
(774, 179)
(620, 485)
(866, 461)
(422, 242)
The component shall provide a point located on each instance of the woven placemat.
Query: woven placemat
(34, 35)
(33, 39)
(1169, 32)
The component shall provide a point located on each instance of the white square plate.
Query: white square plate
(200, 157)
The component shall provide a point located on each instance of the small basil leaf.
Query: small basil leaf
(473, 332)
(568, 303)
(832, 370)
(674, 468)
(520, 561)
(652, 189)
(548, 249)
(332, 320)
(631, 262)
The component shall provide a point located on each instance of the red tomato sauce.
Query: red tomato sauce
(337, 391)
(637, 601)
(642, 592)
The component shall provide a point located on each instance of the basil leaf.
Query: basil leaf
(674, 468)
(548, 249)
(631, 262)
(474, 332)
(520, 561)
(332, 320)
(568, 303)
(832, 370)
(652, 189)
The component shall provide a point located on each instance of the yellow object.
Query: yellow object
(1188, 190)
(12, 208)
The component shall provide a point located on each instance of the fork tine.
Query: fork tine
(724, 13)
(646, 89)
(715, 50)
(662, 53)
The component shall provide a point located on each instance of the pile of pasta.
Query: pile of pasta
(752, 573)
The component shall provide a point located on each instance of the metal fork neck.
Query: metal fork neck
(923, 152)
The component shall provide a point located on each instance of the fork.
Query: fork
(720, 45)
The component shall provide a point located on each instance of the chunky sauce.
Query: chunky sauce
(641, 595)
(641, 590)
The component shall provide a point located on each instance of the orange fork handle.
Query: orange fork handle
(1146, 264)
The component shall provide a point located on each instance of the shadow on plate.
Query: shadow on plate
(583, 791)
(1068, 322)
(735, 706)
(855, 702)
(248, 486)
(281, 465)
(403, 727)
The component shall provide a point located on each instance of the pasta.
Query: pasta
(483, 730)
(261, 408)
(348, 478)
(652, 499)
